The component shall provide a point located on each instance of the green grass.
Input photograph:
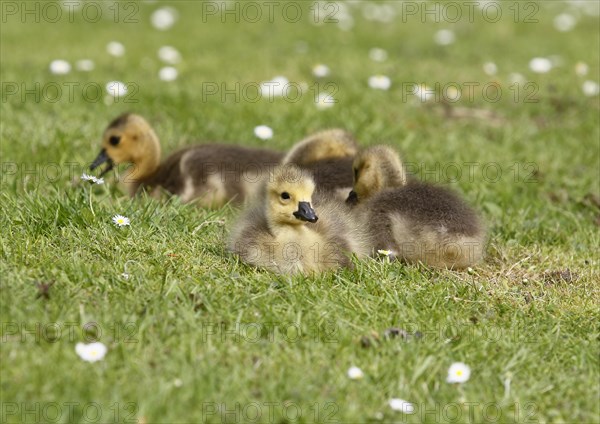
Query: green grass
(194, 335)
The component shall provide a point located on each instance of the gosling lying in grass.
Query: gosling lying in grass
(415, 221)
(328, 155)
(210, 174)
(283, 233)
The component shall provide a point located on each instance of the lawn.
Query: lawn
(193, 335)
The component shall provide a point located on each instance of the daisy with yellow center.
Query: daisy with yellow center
(120, 220)
(458, 372)
(91, 352)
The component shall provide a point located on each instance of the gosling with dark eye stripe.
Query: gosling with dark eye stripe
(209, 174)
(291, 230)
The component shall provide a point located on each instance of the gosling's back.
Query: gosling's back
(425, 223)
(214, 173)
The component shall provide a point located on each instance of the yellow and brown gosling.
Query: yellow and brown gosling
(210, 174)
(286, 233)
(328, 155)
(415, 221)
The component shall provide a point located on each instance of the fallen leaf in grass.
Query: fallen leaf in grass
(365, 342)
(370, 340)
(44, 289)
(560, 276)
(373, 340)
(394, 332)
(559, 196)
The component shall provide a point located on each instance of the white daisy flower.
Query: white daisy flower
(384, 252)
(120, 220)
(581, 69)
(164, 18)
(168, 73)
(91, 352)
(116, 88)
(91, 179)
(84, 65)
(320, 70)
(169, 55)
(325, 101)
(424, 93)
(564, 22)
(60, 67)
(490, 68)
(263, 132)
(125, 276)
(177, 382)
(401, 405)
(540, 65)
(378, 55)
(444, 37)
(380, 82)
(458, 372)
(116, 49)
(275, 87)
(355, 373)
(590, 88)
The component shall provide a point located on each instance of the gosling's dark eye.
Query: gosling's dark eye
(285, 195)
(114, 140)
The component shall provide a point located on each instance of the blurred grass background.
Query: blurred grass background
(536, 293)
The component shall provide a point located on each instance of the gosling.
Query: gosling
(210, 174)
(283, 233)
(414, 221)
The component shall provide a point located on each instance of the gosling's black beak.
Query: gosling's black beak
(305, 212)
(100, 159)
(352, 198)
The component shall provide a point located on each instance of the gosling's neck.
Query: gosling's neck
(145, 166)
